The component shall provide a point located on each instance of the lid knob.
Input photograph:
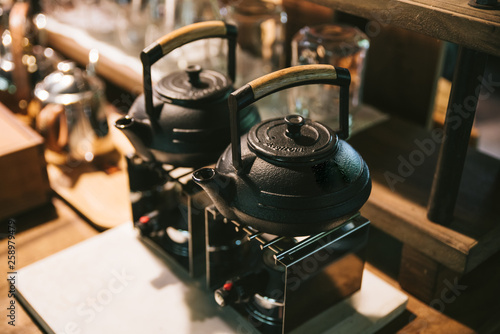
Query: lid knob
(193, 72)
(293, 125)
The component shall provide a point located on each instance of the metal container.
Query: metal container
(72, 117)
(183, 120)
(289, 176)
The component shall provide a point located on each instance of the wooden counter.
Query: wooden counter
(52, 228)
(40, 233)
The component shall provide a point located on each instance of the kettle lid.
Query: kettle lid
(193, 85)
(292, 139)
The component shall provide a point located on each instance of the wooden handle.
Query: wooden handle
(193, 32)
(297, 75)
(287, 78)
(185, 35)
(180, 37)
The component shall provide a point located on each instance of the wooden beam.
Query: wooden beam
(449, 20)
(125, 78)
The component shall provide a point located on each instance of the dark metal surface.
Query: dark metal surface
(291, 199)
(330, 270)
(281, 140)
(186, 136)
(169, 213)
(285, 282)
(194, 85)
(458, 125)
(228, 250)
(152, 53)
(187, 116)
(288, 186)
(244, 97)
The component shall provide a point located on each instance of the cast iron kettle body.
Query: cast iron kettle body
(291, 176)
(184, 120)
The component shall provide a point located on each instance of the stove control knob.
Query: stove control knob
(224, 295)
(147, 223)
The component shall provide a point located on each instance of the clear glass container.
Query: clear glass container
(338, 45)
(261, 45)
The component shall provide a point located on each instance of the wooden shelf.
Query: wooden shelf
(449, 20)
(401, 190)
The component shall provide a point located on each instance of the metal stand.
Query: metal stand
(457, 127)
(170, 215)
(279, 284)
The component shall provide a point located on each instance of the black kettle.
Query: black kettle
(289, 176)
(184, 119)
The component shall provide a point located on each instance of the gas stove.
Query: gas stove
(275, 282)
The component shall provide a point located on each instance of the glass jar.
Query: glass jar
(338, 45)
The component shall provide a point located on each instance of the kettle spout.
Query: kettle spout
(217, 186)
(139, 134)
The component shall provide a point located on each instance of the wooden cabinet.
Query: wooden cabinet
(23, 182)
